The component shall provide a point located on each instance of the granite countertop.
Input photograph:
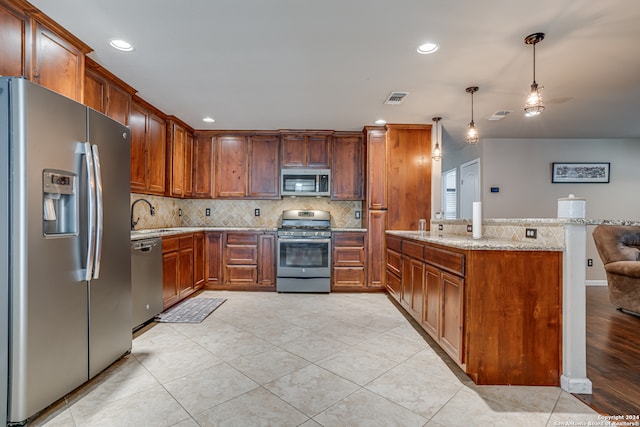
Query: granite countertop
(485, 243)
(170, 231)
(543, 221)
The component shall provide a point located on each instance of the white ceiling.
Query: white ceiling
(330, 64)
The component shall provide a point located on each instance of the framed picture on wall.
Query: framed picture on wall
(578, 173)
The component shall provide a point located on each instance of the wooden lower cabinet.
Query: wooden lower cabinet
(178, 268)
(170, 272)
(185, 263)
(347, 256)
(497, 313)
(199, 260)
(376, 226)
(213, 258)
(241, 260)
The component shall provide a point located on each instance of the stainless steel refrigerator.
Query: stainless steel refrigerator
(65, 288)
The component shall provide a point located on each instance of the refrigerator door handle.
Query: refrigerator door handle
(91, 210)
(99, 211)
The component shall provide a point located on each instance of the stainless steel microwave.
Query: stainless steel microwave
(305, 182)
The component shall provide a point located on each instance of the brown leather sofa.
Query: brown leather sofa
(619, 249)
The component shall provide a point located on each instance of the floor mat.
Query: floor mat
(193, 310)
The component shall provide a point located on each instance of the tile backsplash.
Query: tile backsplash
(237, 213)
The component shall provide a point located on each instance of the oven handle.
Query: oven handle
(305, 240)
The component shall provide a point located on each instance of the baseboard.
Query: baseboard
(596, 283)
(576, 385)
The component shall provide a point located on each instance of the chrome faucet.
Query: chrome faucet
(151, 209)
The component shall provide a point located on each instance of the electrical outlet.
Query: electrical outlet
(207, 212)
(440, 227)
(179, 212)
(469, 228)
(589, 262)
(357, 214)
(531, 233)
(256, 212)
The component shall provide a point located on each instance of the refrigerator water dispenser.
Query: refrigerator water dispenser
(59, 203)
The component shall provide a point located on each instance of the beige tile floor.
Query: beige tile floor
(268, 359)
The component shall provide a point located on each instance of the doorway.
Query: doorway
(469, 187)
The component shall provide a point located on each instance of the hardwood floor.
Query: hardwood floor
(613, 356)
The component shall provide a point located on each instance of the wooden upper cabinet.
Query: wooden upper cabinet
(231, 166)
(264, 167)
(310, 150)
(148, 148)
(34, 46)
(175, 159)
(15, 42)
(156, 145)
(376, 170)
(347, 166)
(138, 126)
(179, 159)
(408, 175)
(95, 91)
(188, 165)
(106, 93)
(57, 64)
(203, 160)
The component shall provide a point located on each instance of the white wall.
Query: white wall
(521, 168)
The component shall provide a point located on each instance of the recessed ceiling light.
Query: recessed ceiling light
(209, 119)
(380, 122)
(427, 48)
(121, 45)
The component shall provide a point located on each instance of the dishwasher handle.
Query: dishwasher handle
(144, 246)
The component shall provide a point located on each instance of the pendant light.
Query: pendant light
(472, 131)
(437, 153)
(534, 106)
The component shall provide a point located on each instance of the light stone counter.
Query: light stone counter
(485, 243)
(170, 231)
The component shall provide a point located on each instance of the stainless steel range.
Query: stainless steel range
(304, 251)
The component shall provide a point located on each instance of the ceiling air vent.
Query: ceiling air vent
(395, 98)
(500, 114)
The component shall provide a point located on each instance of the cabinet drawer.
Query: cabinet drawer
(343, 276)
(241, 274)
(242, 238)
(394, 262)
(186, 241)
(394, 243)
(447, 260)
(412, 249)
(241, 255)
(348, 239)
(348, 257)
(394, 285)
(170, 244)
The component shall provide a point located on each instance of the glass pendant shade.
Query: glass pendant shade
(472, 131)
(534, 106)
(436, 156)
(472, 134)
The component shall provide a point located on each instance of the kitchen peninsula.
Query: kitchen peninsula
(494, 305)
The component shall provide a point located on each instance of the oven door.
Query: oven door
(304, 258)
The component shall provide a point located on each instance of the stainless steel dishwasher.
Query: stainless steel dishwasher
(146, 279)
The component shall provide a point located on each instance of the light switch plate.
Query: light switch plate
(531, 233)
